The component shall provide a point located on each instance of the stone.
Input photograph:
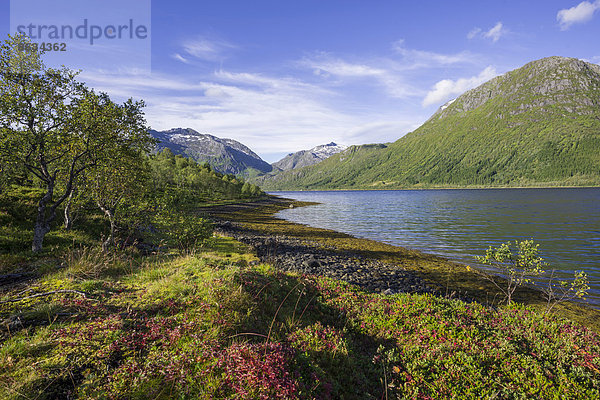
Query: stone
(295, 255)
(312, 263)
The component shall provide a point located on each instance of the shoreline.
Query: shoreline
(286, 243)
(432, 188)
(294, 255)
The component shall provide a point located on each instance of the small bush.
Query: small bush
(561, 291)
(519, 265)
(186, 232)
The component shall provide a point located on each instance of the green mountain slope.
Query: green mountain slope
(538, 125)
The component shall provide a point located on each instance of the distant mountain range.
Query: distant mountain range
(304, 158)
(231, 157)
(224, 155)
(538, 125)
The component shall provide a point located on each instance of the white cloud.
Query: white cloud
(421, 58)
(262, 82)
(394, 75)
(445, 89)
(267, 113)
(494, 33)
(337, 72)
(275, 113)
(345, 69)
(594, 60)
(382, 131)
(473, 33)
(208, 49)
(272, 115)
(580, 13)
(134, 83)
(179, 57)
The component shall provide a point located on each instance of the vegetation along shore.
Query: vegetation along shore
(255, 224)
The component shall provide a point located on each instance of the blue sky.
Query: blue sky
(281, 76)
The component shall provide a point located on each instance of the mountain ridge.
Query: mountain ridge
(304, 158)
(224, 155)
(537, 125)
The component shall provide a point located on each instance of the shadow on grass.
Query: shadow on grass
(290, 304)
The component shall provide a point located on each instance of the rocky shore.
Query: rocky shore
(374, 266)
(294, 255)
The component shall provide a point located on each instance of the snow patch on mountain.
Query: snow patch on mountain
(305, 158)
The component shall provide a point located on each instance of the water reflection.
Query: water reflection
(462, 223)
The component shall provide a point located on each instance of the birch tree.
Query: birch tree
(54, 126)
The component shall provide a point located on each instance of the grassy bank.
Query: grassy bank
(214, 322)
(217, 324)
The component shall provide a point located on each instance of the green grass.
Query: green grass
(212, 322)
(17, 216)
(216, 324)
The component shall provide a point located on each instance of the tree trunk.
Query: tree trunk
(42, 225)
(68, 217)
(109, 242)
(39, 232)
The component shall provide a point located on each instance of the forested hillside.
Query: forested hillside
(538, 125)
(189, 183)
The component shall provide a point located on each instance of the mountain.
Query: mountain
(224, 155)
(304, 158)
(538, 125)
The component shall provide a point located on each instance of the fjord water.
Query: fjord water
(459, 224)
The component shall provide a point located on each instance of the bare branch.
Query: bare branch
(84, 294)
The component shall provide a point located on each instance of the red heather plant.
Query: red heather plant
(176, 371)
(258, 371)
(135, 344)
(451, 349)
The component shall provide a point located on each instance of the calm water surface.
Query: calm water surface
(459, 224)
